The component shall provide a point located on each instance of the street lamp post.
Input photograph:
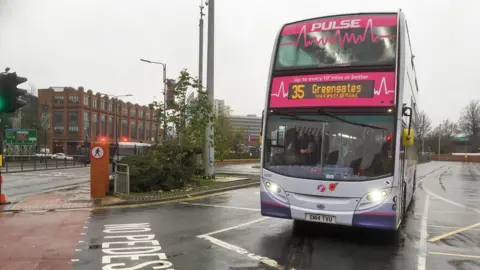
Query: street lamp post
(164, 65)
(209, 132)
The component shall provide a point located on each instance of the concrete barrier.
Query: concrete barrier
(457, 158)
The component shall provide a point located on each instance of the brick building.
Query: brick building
(78, 116)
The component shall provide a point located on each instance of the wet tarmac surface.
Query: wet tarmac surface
(17, 186)
(441, 231)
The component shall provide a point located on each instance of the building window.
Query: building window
(133, 113)
(73, 100)
(125, 128)
(110, 106)
(94, 124)
(102, 105)
(117, 127)
(73, 123)
(86, 126)
(140, 114)
(86, 101)
(94, 103)
(147, 131)
(103, 124)
(147, 115)
(141, 131)
(133, 129)
(58, 127)
(58, 99)
(110, 126)
(124, 110)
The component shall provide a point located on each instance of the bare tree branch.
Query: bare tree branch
(470, 119)
(423, 126)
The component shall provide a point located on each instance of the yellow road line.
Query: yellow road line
(455, 255)
(454, 232)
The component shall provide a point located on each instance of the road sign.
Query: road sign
(21, 136)
(97, 152)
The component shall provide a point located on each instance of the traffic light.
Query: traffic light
(10, 94)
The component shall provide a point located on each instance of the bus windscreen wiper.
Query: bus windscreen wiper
(349, 122)
(299, 118)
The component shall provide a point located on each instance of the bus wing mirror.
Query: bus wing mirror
(408, 137)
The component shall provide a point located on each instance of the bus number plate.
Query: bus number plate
(320, 218)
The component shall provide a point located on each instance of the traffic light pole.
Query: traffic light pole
(10, 102)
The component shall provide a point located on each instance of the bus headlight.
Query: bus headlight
(373, 198)
(276, 190)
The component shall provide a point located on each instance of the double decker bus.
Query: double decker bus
(338, 136)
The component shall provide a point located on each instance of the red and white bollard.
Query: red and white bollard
(3, 200)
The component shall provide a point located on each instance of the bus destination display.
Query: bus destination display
(332, 90)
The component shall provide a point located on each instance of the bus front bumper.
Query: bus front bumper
(374, 218)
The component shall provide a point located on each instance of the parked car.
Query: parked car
(61, 156)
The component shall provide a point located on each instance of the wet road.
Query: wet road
(227, 232)
(18, 185)
(247, 168)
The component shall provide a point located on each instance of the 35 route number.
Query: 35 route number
(298, 91)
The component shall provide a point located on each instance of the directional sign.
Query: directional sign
(97, 152)
(21, 136)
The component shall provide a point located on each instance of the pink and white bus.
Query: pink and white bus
(338, 138)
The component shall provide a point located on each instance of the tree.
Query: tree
(470, 119)
(446, 130)
(191, 120)
(423, 126)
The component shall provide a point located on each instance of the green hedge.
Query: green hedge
(164, 167)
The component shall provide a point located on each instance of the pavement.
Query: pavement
(18, 186)
(226, 231)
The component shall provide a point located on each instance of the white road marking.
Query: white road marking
(234, 227)
(75, 260)
(240, 250)
(422, 255)
(223, 206)
(449, 201)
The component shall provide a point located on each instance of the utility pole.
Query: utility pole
(164, 102)
(200, 48)
(45, 127)
(209, 150)
(439, 136)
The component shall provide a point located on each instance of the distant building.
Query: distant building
(79, 116)
(250, 125)
(219, 107)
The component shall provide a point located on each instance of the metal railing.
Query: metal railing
(24, 163)
(121, 179)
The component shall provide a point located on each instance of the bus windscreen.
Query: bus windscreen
(338, 41)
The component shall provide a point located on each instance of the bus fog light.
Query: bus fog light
(373, 198)
(276, 191)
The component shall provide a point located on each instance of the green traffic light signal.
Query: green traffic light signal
(9, 93)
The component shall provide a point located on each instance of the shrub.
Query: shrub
(164, 167)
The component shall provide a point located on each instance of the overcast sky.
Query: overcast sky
(98, 43)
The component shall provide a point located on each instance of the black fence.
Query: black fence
(23, 163)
